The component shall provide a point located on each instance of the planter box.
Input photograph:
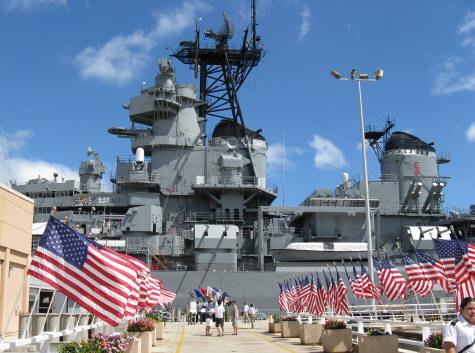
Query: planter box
(145, 338)
(431, 350)
(311, 333)
(159, 328)
(380, 344)
(134, 347)
(290, 329)
(337, 341)
(274, 327)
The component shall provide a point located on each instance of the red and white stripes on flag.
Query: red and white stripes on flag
(417, 282)
(434, 271)
(341, 306)
(80, 269)
(283, 304)
(370, 290)
(392, 282)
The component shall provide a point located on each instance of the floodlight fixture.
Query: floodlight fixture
(379, 74)
(364, 76)
(335, 74)
(353, 74)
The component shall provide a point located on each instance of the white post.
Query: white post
(366, 189)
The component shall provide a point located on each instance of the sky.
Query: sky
(68, 66)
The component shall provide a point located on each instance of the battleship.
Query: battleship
(198, 211)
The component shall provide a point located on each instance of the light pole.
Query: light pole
(364, 77)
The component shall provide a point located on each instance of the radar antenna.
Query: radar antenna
(223, 70)
(378, 136)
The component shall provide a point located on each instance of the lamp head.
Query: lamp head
(379, 74)
(353, 74)
(335, 74)
(364, 76)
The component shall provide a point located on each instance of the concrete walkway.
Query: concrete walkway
(192, 339)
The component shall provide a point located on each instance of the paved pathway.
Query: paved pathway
(191, 339)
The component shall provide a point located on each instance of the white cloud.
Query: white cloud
(469, 23)
(470, 133)
(305, 24)
(17, 140)
(122, 57)
(327, 154)
(456, 72)
(274, 155)
(24, 170)
(27, 5)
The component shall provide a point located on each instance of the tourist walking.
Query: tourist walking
(209, 317)
(234, 316)
(245, 313)
(219, 317)
(459, 334)
(252, 314)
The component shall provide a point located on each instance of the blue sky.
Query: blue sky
(68, 66)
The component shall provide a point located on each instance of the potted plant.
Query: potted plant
(433, 344)
(377, 341)
(142, 329)
(157, 319)
(290, 328)
(336, 337)
(275, 324)
(311, 333)
(99, 344)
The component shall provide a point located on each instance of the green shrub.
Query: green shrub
(435, 340)
(277, 318)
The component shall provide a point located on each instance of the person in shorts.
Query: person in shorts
(234, 316)
(245, 312)
(219, 317)
(209, 317)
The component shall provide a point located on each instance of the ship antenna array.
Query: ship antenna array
(377, 136)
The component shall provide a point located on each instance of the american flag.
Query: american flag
(81, 270)
(464, 262)
(434, 271)
(283, 305)
(330, 292)
(342, 306)
(417, 281)
(355, 286)
(288, 293)
(321, 301)
(392, 282)
(466, 289)
(312, 298)
(369, 288)
(446, 251)
(304, 294)
(166, 297)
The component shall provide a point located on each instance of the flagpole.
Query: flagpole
(351, 313)
(356, 298)
(415, 294)
(365, 300)
(328, 299)
(431, 292)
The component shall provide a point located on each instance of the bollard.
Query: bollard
(52, 324)
(65, 318)
(83, 321)
(37, 323)
(23, 321)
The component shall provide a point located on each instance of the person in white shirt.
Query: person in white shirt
(245, 313)
(252, 314)
(209, 317)
(459, 334)
(219, 317)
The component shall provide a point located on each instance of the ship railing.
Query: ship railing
(238, 181)
(227, 217)
(153, 178)
(127, 159)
